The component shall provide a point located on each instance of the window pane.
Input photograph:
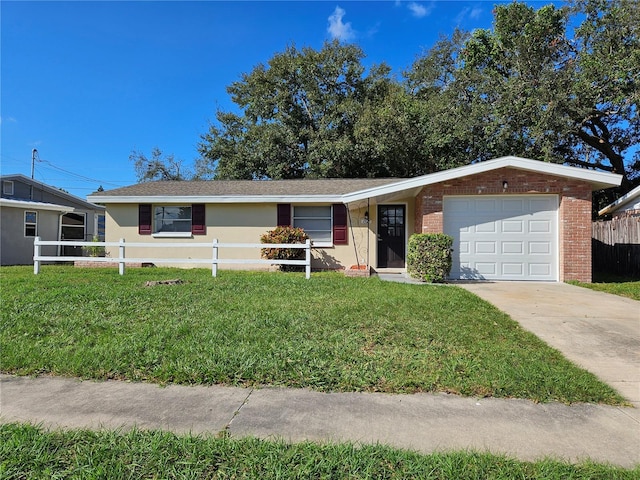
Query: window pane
(312, 212)
(172, 219)
(311, 224)
(30, 217)
(177, 213)
(173, 226)
(73, 219)
(29, 230)
(317, 236)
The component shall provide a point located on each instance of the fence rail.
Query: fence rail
(213, 260)
(616, 246)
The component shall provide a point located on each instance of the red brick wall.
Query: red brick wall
(574, 214)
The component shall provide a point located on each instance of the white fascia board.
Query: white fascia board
(597, 179)
(5, 202)
(220, 199)
(622, 201)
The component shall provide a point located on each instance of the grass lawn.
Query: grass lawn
(30, 452)
(329, 333)
(623, 286)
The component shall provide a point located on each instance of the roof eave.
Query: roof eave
(218, 199)
(5, 202)
(621, 202)
(598, 180)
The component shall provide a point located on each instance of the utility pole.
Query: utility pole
(34, 154)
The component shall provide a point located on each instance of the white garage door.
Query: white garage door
(511, 237)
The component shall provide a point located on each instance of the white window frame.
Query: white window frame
(34, 224)
(303, 217)
(169, 234)
(7, 187)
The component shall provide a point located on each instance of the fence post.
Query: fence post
(121, 257)
(36, 254)
(307, 267)
(214, 259)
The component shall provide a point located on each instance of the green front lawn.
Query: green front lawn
(623, 286)
(30, 452)
(329, 333)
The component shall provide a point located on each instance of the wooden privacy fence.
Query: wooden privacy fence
(213, 260)
(616, 246)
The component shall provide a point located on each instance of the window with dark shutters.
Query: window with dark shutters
(144, 219)
(198, 224)
(340, 224)
(284, 214)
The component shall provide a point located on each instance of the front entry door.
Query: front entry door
(391, 236)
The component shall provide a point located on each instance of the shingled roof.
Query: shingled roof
(243, 188)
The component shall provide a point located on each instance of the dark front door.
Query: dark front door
(391, 236)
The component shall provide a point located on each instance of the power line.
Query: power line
(81, 177)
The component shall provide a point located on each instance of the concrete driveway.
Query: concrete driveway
(598, 331)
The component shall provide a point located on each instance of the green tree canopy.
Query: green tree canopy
(536, 86)
(299, 118)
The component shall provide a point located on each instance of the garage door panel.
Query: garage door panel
(514, 248)
(512, 226)
(488, 227)
(512, 269)
(503, 237)
(541, 270)
(539, 226)
(513, 206)
(488, 269)
(485, 247)
(539, 248)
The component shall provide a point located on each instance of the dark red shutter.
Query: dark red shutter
(340, 224)
(284, 214)
(144, 219)
(198, 224)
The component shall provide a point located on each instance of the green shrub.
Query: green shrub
(284, 235)
(94, 250)
(429, 256)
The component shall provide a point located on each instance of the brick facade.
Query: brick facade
(574, 213)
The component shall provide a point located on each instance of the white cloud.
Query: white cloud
(339, 30)
(468, 13)
(8, 119)
(418, 10)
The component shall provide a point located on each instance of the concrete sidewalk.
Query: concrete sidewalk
(598, 331)
(421, 422)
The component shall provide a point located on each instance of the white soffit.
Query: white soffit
(175, 199)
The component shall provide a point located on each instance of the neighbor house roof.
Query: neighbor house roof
(625, 200)
(7, 202)
(52, 190)
(330, 190)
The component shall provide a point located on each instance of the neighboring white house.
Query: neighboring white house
(628, 204)
(29, 208)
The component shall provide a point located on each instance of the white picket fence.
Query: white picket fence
(214, 260)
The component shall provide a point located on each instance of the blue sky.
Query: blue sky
(85, 83)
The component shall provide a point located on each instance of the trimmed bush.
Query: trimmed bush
(429, 256)
(284, 235)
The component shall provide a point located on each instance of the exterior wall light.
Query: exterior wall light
(505, 184)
